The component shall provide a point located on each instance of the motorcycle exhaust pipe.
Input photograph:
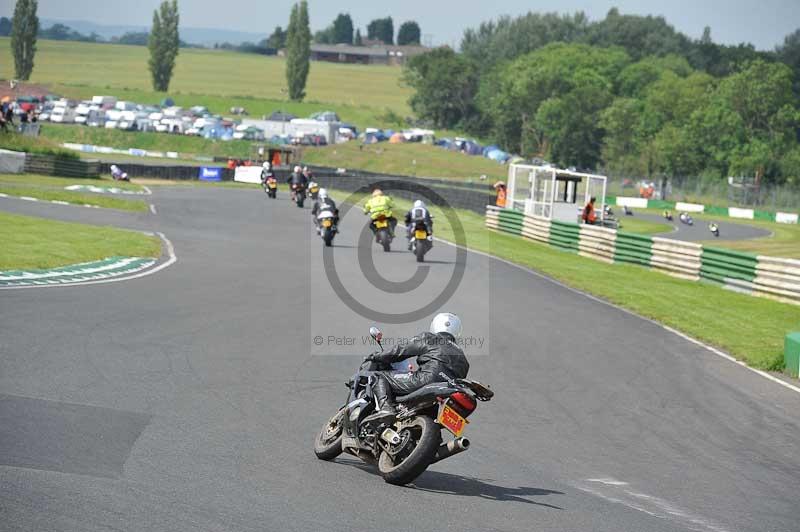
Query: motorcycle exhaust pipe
(446, 450)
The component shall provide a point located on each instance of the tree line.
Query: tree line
(625, 94)
(381, 30)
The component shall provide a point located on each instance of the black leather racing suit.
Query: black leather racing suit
(436, 353)
(297, 179)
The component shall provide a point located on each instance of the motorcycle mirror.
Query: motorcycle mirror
(376, 334)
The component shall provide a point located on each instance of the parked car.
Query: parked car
(96, 118)
(62, 115)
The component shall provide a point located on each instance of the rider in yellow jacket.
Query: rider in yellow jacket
(380, 205)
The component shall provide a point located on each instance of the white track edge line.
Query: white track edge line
(667, 328)
(153, 209)
(169, 262)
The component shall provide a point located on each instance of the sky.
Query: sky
(763, 23)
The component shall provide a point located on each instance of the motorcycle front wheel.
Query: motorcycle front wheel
(328, 444)
(420, 439)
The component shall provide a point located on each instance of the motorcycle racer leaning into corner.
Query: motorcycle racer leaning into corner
(324, 203)
(439, 358)
(418, 213)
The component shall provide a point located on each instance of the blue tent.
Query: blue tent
(498, 155)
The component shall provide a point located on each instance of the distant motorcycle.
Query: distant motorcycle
(404, 448)
(298, 194)
(313, 191)
(421, 241)
(686, 218)
(668, 215)
(327, 226)
(714, 228)
(271, 187)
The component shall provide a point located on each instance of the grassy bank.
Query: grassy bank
(749, 328)
(412, 159)
(39, 145)
(30, 242)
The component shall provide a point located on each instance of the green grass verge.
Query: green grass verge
(30, 242)
(412, 159)
(749, 328)
(49, 194)
(61, 182)
(644, 227)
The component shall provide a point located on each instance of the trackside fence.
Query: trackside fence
(770, 277)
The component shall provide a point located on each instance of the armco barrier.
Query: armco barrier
(677, 258)
(769, 277)
(778, 279)
(633, 249)
(564, 235)
(597, 242)
(536, 228)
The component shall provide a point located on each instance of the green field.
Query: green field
(750, 328)
(30, 242)
(412, 159)
(217, 79)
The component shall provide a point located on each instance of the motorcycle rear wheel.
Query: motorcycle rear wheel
(419, 251)
(426, 436)
(327, 236)
(328, 444)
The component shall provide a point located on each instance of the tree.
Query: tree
(163, 43)
(409, 33)
(639, 36)
(381, 29)
(138, 38)
(343, 29)
(24, 27)
(358, 41)
(789, 53)
(5, 27)
(278, 39)
(298, 51)
(513, 95)
(445, 86)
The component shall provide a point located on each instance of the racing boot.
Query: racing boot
(388, 411)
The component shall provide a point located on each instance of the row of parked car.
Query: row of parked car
(110, 113)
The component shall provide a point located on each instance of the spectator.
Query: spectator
(589, 216)
(500, 187)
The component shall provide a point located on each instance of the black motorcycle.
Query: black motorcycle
(299, 193)
(714, 228)
(421, 241)
(402, 448)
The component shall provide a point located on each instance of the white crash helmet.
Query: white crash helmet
(323, 193)
(267, 165)
(419, 204)
(297, 169)
(446, 323)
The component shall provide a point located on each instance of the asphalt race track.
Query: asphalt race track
(189, 400)
(699, 231)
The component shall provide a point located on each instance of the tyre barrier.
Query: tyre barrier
(762, 276)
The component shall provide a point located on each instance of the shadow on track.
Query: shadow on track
(459, 485)
(449, 484)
